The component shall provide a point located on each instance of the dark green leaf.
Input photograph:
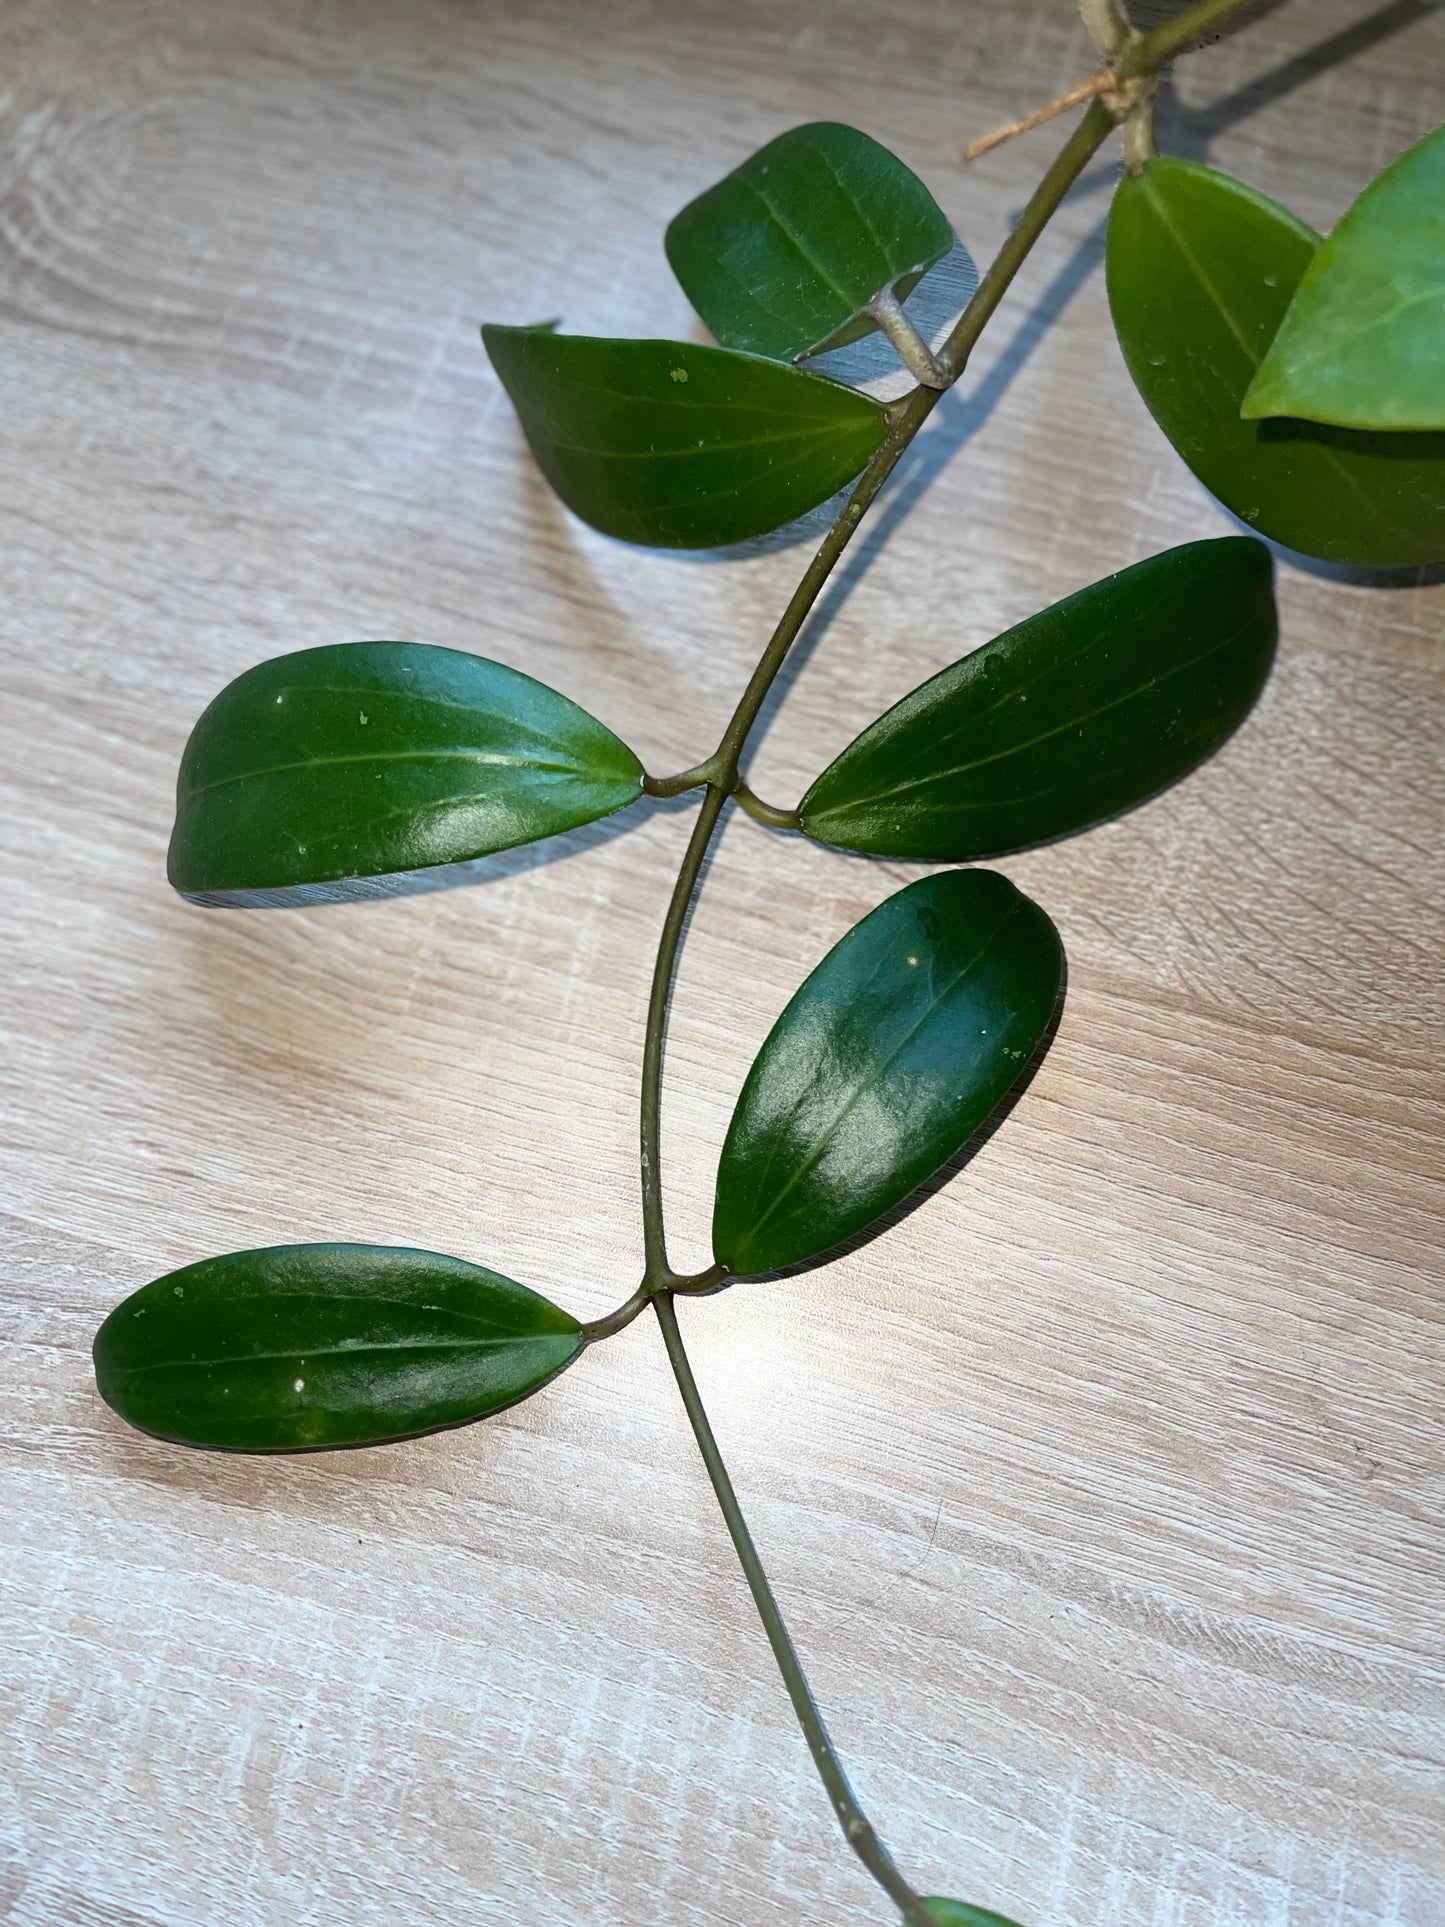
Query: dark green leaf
(787, 251)
(678, 446)
(303, 1346)
(957, 1913)
(888, 1059)
(373, 757)
(1072, 716)
(1363, 343)
(1201, 270)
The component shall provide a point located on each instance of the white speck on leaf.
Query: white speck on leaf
(679, 374)
(299, 1386)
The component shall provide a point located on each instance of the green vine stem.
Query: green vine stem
(720, 777)
(857, 1829)
(1154, 50)
(905, 419)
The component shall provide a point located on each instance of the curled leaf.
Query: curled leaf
(887, 1060)
(1201, 270)
(1362, 343)
(297, 1347)
(1072, 716)
(677, 446)
(368, 758)
(784, 254)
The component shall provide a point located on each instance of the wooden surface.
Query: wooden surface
(1105, 1494)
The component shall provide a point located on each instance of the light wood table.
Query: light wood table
(1105, 1494)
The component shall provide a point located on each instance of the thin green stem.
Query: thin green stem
(1140, 57)
(696, 1284)
(1149, 53)
(905, 420)
(753, 805)
(857, 1830)
(656, 1269)
(1073, 157)
(904, 423)
(721, 774)
(616, 1321)
(690, 779)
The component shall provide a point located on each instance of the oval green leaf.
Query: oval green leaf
(958, 1913)
(786, 252)
(1363, 342)
(369, 758)
(679, 446)
(1076, 714)
(301, 1347)
(888, 1059)
(1201, 270)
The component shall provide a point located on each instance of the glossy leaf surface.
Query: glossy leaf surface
(1363, 342)
(368, 758)
(958, 1913)
(887, 1060)
(781, 256)
(678, 446)
(1074, 715)
(1201, 270)
(303, 1346)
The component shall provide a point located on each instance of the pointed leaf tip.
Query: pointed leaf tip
(783, 255)
(678, 446)
(1201, 270)
(895, 1050)
(1074, 715)
(1362, 344)
(299, 1347)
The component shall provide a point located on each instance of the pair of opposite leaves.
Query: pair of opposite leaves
(374, 758)
(371, 758)
(1229, 311)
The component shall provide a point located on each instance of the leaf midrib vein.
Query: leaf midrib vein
(830, 1130)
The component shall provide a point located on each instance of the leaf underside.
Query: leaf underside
(890, 1056)
(1201, 270)
(300, 1347)
(1074, 715)
(678, 446)
(368, 758)
(782, 256)
(1363, 342)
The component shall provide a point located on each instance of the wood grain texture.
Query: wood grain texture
(1106, 1493)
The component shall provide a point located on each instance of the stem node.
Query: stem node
(912, 350)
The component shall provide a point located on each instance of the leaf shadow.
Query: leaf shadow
(871, 365)
(950, 1169)
(358, 1486)
(956, 421)
(1188, 131)
(496, 868)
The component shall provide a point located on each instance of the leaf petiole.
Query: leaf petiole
(753, 805)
